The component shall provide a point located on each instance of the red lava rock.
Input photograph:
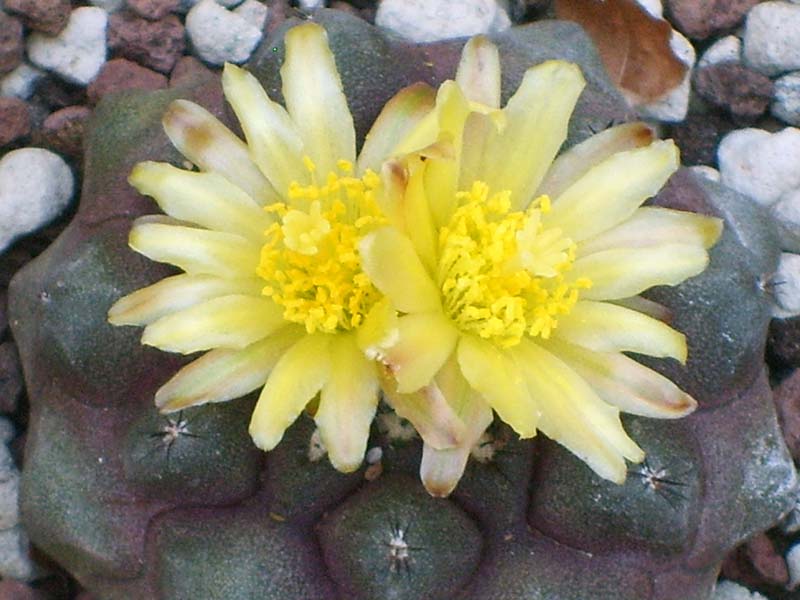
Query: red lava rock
(10, 379)
(11, 45)
(766, 560)
(47, 16)
(120, 74)
(11, 589)
(745, 93)
(56, 93)
(15, 120)
(784, 341)
(153, 9)
(787, 401)
(63, 130)
(154, 44)
(187, 70)
(699, 20)
(698, 137)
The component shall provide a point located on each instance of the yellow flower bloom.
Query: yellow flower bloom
(266, 232)
(518, 273)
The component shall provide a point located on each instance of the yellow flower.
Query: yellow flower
(518, 273)
(266, 232)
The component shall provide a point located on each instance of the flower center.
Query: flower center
(310, 261)
(501, 273)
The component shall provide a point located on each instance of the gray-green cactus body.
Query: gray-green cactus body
(138, 505)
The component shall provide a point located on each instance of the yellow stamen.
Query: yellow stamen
(502, 274)
(310, 262)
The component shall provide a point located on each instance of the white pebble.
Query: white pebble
(6, 430)
(654, 7)
(311, 4)
(374, 455)
(254, 12)
(760, 164)
(786, 288)
(728, 590)
(772, 37)
(35, 187)
(793, 562)
(725, 50)
(77, 53)
(219, 35)
(709, 173)
(110, 6)
(431, 20)
(786, 99)
(15, 561)
(787, 211)
(674, 106)
(20, 82)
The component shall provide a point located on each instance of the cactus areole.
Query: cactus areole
(456, 265)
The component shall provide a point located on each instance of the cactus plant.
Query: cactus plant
(138, 505)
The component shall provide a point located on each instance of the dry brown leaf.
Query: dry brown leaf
(633, 45)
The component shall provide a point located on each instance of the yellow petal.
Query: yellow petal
(424, 342)
(315, 100)
(176, 293)
(210, 145)
(478, 72)
(196, 251)
(206, 199)
(427, 410)
(574, 416)
(273, 138)
(651, 226)
(624, 383)
(226, 322)
(612, 190)
(379, 329)
(607, 327)
(299, 375)
(494, 375)
(537, 116)
(574, 163)
(347, 404)
(624, 272)
(222, 375)
(398, 117)
(389, 259)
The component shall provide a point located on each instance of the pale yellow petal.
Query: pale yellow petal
(624, 383)
(210, 145)
(574, 416)
(537, 116)
(389, 259)
(297, 377)
(315, 99)
(612, 191)
(494, 375)
(222, 375)
(379, 329)
(576, 161)
(397, 118)
(196, 251)
(424, 343)
(206, 199)
(651, 226)
(347, 403)
(623, 272)
(478, 72)
(226, 322)
(176, 293)
(607, 327)
(276, 146)
(427, 410)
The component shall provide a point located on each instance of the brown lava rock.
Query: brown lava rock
(154, 44)
(743, 92)
(698, 137)
(47, 16)
(15, 120)
(121, 74)
(11, 46)
(784, 341)
(153, 9)
(10, 379)
(63, 130)
(787, 401)
(700, 19)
